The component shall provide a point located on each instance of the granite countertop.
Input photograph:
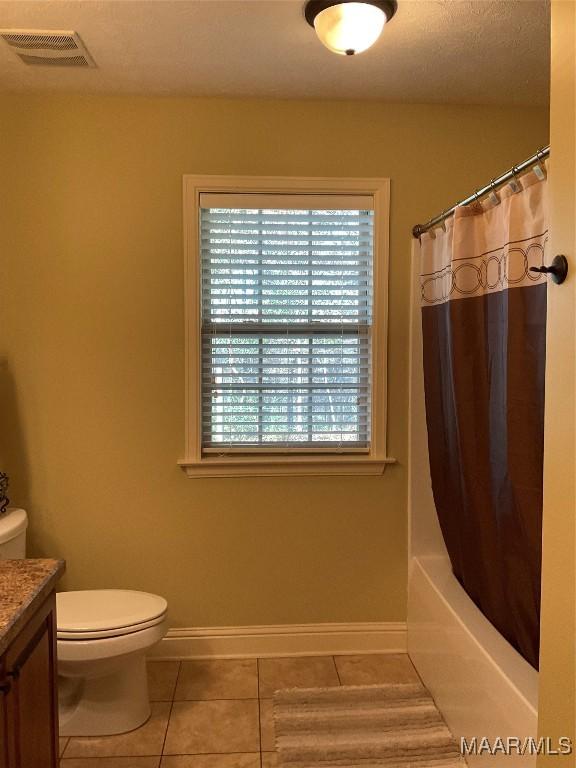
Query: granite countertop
(24, 585)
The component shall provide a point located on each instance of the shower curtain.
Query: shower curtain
(484, 336)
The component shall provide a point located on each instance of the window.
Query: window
(286, 300)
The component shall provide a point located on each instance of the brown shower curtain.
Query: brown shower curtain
(484, 337)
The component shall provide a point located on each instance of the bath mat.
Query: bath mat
(361, 726)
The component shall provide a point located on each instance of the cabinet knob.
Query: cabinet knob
(5, 686)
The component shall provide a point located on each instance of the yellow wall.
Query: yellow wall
(558, 651)
(91, 344)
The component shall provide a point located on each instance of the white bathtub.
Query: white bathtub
(480, 683)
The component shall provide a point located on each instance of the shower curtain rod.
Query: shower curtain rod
(419, 229)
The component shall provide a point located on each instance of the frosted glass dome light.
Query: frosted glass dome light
(349, 27)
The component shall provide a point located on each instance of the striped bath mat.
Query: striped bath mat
(395, 725)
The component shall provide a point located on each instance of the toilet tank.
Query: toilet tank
(13, 525)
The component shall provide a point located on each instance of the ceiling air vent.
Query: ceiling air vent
(48, 48)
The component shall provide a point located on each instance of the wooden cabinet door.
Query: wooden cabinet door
(31, 704)
(5, 687)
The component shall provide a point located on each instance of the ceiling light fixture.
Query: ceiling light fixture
(346, 26)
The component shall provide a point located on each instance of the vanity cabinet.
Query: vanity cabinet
(28, 697)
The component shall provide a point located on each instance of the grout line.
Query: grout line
(336, 668)
(258, 676)
(176, 681)
(206, 754)
(175, 754)
(170, 713)
(259, 717)
(337, 672)
(61, 753)
(104, 757)
(219, 698)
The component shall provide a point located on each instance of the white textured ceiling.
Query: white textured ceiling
(445, 51)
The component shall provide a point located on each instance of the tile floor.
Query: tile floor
(218, 714)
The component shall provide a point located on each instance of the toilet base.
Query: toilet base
(105, 705)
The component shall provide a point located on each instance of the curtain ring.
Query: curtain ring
(493, 196)
(446, 215)
(515, 185)
(539, 167)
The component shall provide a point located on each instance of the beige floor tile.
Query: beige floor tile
(147, 740)
(377, 668)
(227, 679)
(270, 760)
(162, 679)
(213, 726)
(238, 760)
(62, 741)
(267, 735)
(303, 672)
(111, 762)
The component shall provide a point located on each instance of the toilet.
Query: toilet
(13, 525)
(102, 639)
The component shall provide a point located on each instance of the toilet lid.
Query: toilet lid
(106, 612)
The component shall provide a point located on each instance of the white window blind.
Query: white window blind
(286, 285)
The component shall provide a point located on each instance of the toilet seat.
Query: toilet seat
(105, 613)
(103, 633)
(84, 652)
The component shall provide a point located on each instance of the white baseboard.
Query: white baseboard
(281, 640)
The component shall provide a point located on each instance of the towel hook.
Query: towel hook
(558, 269)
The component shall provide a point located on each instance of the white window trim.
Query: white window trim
(197, 464)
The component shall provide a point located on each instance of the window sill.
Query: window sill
(275, 466)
